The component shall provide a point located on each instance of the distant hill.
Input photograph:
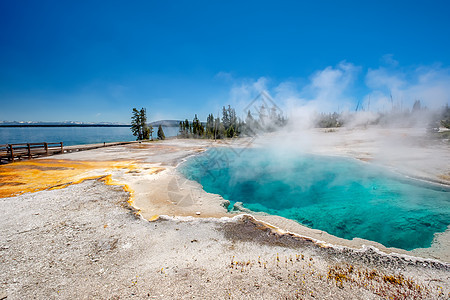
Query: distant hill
(167, 123)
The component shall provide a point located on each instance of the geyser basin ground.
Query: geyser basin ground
(341, 196)
(81, 242)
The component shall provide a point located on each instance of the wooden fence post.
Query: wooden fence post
(46, 148)
(11, 151)
(29, 151)
(62, 149)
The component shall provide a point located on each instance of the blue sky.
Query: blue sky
(94, 61)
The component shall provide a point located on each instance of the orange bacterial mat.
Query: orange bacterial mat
(37, 175)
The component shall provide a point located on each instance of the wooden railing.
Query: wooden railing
(3, 152)
(10, 152)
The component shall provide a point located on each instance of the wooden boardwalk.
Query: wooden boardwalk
(75, 148)
(12, 152)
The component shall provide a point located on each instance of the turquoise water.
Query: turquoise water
(343, 197)
(72, 135)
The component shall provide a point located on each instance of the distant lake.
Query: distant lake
(73, 135)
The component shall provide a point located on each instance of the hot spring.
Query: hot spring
(344, 197)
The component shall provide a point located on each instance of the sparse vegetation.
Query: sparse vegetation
(388, 286)
(298, 269)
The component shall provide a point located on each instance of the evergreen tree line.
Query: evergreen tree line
(230, 125)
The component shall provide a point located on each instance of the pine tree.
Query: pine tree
(263, 117)
(186, 128)
(232, 122)
(146, 130)
(230, 132)
(225, 118)
(195, 126)
(210, 126)
(135, 124)
(150, 132)
(201, 130)
(219, 129)
(139, 126)
(161, 135)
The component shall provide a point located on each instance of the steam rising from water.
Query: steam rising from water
(379, 101)
(346, 88)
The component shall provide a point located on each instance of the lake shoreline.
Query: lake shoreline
(72, 135)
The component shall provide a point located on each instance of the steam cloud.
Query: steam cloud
(345, 88)
(389, 90)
